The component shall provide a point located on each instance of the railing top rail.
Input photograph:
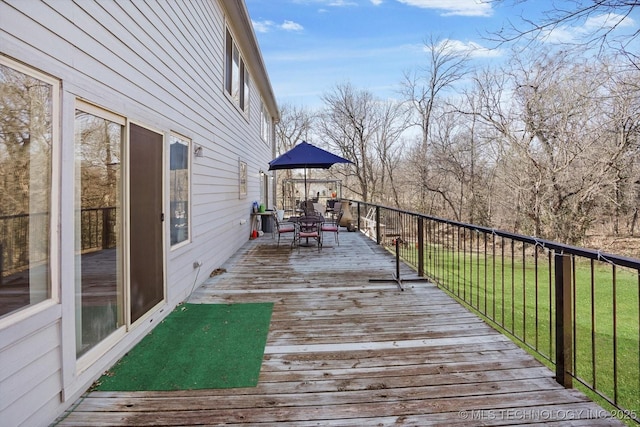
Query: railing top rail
(561, 248)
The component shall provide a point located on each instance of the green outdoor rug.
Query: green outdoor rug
(198, 346)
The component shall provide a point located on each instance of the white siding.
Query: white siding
(30, 379)
(159, 64)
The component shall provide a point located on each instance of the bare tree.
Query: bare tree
(603, 17)
(619, 114)
(445, 66)
(295, 125)
(459, 166)
(563, 141)
(422, 89)
(388, 145)
(368, 132)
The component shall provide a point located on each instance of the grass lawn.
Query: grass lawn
(513, 289)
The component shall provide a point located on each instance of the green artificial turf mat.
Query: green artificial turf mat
(198, 346)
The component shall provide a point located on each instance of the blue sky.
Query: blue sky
(310, 46)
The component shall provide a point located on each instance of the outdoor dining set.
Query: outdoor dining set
(313, 220)
(308, 228)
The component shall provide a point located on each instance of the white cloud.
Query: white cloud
(608, 20)
(569, 34)
(376, 2)
(332, 3)
(454, 7)
(266, 26)
(291, 26)
(475, 50)
(560, 35)
(261, 26)
(341, 3)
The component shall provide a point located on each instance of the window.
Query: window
(28, 129)
(242, 179)
(98, 222)
(265, 124)
(179, 149)
(244, 102)
(236, 76)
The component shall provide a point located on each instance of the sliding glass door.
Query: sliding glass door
(98, 223)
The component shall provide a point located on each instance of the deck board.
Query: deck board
(343, 351)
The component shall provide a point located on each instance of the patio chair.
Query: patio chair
(332, 227)
(319, 208)
(282, 228)
(308, 207)
(337, 207)
(309, 227)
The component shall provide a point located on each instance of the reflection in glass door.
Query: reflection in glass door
(28, 129)
(98, 219)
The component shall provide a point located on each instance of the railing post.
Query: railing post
(358, 212)
(564, 338)
(105, 228)
(420, 246)
(378, 234)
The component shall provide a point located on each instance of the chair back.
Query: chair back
(320, 208)
(308, 207)
(282, 227)
(276, 220)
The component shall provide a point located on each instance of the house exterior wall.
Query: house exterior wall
(159, 64)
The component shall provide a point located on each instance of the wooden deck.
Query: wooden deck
(342, 351)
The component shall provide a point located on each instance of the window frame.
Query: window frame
(265, 124)
(189, 151)
(84, 361)
(52, 286)
(237, 80)
(243, 176)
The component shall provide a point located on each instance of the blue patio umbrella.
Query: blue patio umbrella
(303, 156)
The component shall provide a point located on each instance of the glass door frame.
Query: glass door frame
(85, 360)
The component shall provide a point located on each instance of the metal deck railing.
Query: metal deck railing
(575, 309)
